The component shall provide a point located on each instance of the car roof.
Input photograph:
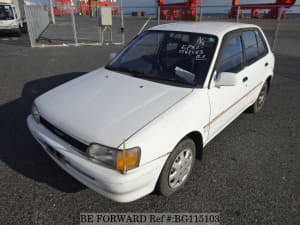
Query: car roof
(208, 27)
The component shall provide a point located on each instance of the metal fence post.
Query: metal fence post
(98, 24)
(277, 28)
(74, 25)
(238, 14)
(158, 15)
(145, 24)
(201, 13)
(122, 25)
(52, 12)
(29, 25)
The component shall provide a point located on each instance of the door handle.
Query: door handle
(245, 79)
(266, 64)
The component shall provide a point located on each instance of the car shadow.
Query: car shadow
(18, 149)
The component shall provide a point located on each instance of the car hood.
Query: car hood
(106, 107)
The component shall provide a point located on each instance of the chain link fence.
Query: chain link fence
(287, 37)
(75, 25)
(37, 21)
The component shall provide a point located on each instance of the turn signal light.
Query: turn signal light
(128, 159)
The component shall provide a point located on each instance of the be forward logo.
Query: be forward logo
(149, 218)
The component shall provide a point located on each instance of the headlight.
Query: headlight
(35, 113)
(15, 23)
(122, 160)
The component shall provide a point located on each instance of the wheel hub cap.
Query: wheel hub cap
(180, 168)
(262, 95)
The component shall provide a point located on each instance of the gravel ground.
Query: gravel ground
(249, 173)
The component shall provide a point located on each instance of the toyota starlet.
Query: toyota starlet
(141, 121)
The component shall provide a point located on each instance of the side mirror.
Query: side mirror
(226, 79)
(112, 55)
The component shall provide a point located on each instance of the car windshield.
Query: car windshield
(178, 58)
(6, 12)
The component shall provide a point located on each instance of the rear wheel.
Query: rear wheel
(260, 101)
(177, 168)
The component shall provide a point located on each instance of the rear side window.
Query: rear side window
(261, 44)
(232, 56)
(255, 45)
(251, 47)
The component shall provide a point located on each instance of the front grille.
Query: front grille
(72, 141)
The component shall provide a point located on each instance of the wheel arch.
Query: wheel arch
(269, 81)
(196, 136)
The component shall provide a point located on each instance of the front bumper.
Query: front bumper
(110, 183)
(9, 29)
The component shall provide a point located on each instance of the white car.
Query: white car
(140, 122)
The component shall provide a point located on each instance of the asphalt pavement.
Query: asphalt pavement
(249, 173)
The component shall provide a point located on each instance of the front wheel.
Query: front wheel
(24, 28)
(177, 168)
(18, 32)
(260, 101)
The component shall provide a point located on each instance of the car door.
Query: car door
(257, 62)
(227, 102)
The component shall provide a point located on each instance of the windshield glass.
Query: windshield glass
(6, 12)
(169, 56)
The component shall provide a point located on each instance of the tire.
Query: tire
(24, 28)
(260, 101)
(178, 168)
(18, 33)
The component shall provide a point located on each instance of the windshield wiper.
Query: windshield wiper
(179, 79)
(176, 80)
(125, 69)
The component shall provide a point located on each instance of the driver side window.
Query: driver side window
(231, 59)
